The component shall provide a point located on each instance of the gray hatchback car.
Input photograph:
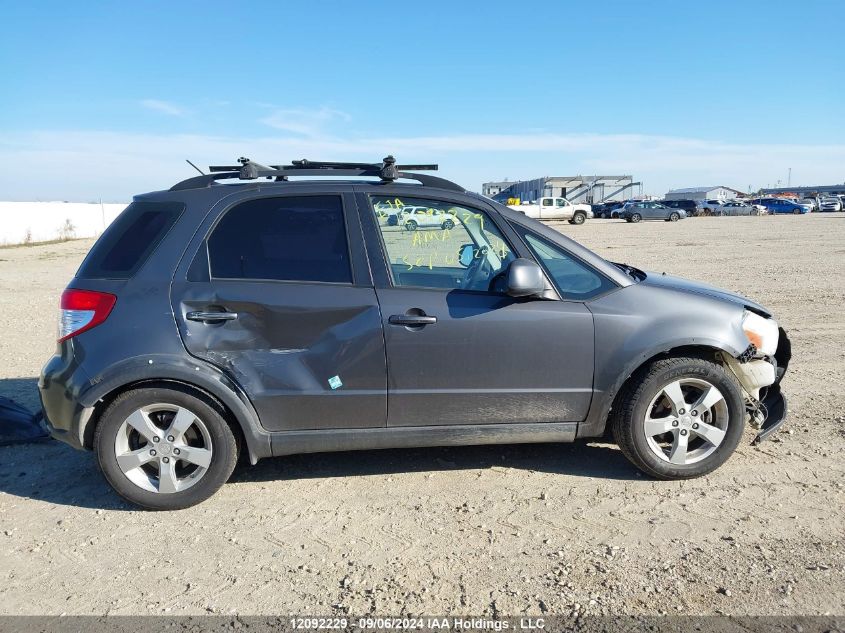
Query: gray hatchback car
(242, 312)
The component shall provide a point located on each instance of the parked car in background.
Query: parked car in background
(413, 218)
(762, 202)
(830, 203)
(690, 206)
(551, 208)
(608, 210)
(782, 205)
(710, 207)
(598, 208)
(811, 202)
(737, 208)
(389, 213)
(648, 210)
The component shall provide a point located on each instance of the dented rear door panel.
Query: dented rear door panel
(310, 355)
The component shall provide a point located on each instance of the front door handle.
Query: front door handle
(205, 317)
(411, 320)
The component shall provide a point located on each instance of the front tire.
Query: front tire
(578, 218)
(164, 448)
(680, 418)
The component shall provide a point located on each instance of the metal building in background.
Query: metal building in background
(578, 189)
(493, 189)
(715, 192)
(808, 192)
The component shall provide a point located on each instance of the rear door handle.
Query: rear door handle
(205, 317)
(411, 320)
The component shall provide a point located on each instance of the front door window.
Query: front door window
(436, 244)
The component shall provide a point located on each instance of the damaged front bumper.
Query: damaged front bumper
(774, 404)
(760, 379)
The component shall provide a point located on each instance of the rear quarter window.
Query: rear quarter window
(130, 240)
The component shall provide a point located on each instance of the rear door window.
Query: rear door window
(291, 238)
(128, 241)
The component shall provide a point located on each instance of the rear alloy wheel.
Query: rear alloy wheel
(163, 448)
(636, 217)
(683, 418)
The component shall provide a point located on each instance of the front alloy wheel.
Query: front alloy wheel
(680, 418)
(686, 422)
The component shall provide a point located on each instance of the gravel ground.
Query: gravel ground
(563, 529)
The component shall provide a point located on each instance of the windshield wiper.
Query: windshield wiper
(634, 273)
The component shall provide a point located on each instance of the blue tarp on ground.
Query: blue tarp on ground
(19, 424)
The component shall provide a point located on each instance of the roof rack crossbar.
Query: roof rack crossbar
(388, 171)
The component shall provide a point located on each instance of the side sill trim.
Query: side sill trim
(294, 442)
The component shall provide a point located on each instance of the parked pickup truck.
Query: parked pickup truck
(555, 209)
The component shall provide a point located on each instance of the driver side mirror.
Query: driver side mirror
(524, 278)
(466, 254)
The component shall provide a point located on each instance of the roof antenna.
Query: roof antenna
(195, 167)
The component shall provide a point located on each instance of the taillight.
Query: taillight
(82, 310)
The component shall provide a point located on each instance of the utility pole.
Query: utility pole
(789, 178)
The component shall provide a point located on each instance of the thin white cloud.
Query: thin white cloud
(310, 123)
(130, 163)
(163, 107)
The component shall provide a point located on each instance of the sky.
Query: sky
(102, 100)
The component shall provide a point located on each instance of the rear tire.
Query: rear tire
(636, 217)
(181, 461)
(651, 403)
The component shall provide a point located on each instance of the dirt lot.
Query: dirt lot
(487, 530)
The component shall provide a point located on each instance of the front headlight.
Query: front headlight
(761, 332)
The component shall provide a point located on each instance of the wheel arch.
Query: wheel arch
(203, 379)
(597, 423)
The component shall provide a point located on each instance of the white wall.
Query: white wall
(44, 221)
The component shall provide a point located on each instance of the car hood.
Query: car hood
(680, 284)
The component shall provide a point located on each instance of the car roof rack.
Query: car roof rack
(388, 171)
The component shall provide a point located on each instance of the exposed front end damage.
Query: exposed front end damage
(760, 375)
